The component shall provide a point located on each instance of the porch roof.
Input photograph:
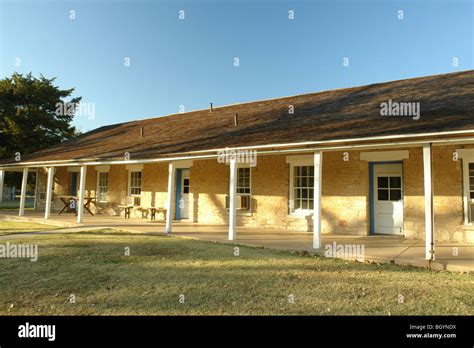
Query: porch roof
(446, 105)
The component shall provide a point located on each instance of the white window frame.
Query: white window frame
(249, 195)
(467, 172)
(298, 161)
(250, 182)
(467, 156)
(102, 169)
(467, 189)
(99, 186)
(130, 182)
(293, 209)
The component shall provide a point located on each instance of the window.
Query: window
(243, 181)
(303, 183)
(467, 156)
(185, 185)
(470, 190)
(102, 186)
(471, 180)
(389, 188)
(243, 190)
(135, 184)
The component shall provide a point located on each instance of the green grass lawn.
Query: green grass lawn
(15, 204)
(14, 227)
(93, 267)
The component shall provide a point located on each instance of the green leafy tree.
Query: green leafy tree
(34, 114)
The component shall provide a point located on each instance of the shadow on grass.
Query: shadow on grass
(185, 251)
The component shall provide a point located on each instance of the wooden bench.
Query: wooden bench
(154, 210)
(128, 206)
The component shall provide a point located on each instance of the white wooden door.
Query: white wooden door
(184, 202)
(388, 199)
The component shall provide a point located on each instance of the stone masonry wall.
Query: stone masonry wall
(345, 193)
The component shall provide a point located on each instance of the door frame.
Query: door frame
(178, 194)
(179, 175)
(372, 193)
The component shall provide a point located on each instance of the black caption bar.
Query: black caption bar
(50, 331)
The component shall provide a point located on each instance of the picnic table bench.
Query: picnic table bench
(129, 205)
(66, 200)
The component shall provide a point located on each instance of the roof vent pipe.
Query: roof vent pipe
(210, 107)
(236, 119)
(141, 132)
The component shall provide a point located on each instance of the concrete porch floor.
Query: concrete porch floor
(389, 249)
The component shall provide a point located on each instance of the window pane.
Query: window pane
(395, 182)
(471, 166)
(297, 182)
(304, 182)
(297, 204)
(186, 185)
(383, 195)
(382, 182)
(395, 195)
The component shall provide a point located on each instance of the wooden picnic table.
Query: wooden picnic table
(67, 201)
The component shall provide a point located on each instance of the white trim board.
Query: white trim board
(465, 153)
(183, 164)
(134, 167)
(102, 168)
(379, 156)
(300, 160)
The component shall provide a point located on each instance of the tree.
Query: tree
(31, 116)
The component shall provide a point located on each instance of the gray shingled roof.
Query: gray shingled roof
(446, 101)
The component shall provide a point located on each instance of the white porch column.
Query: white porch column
(2, 179)
(82, 188)
(49, 192)
(318, 161)
(169, 198)
(429, 212)
(23, 192)
(232, 198)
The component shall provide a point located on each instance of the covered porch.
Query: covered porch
(330, 190)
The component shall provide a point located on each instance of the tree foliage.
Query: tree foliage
(29, 120)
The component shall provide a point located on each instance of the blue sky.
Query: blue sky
(190, 61)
